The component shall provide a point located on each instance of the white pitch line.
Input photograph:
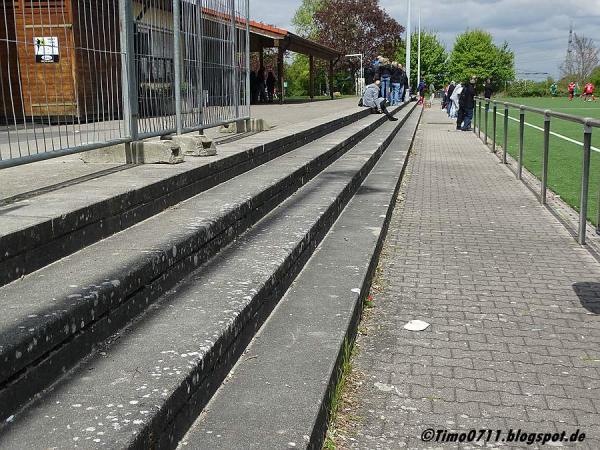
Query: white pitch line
(552, 133)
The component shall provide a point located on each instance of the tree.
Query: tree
(581, 60)
(357, 26)
(595, 77)
(475, 53)
(303, 20)
(433, 58)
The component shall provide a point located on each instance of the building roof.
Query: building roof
(268, 36)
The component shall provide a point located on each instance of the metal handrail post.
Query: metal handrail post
(521, 142)
(129, 89)
(505, 145)
(585, 182)
(544, 192)
(474, 125)
(177, 63)
(487, 109)
(494, 126)
(479, 120)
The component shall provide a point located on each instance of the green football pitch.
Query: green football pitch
(566, 148)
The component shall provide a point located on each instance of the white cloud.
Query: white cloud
(537, 30)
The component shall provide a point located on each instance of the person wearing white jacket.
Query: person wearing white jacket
(454, 100)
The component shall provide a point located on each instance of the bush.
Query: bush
(526, 88)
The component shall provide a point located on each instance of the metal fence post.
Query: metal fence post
(521, 138)
(475, 118)
(487, 109)
(248, 93)
(177, 63)
(128, 70)
(505, 145)
(494, 126)
(200, 41)
(235, 89)
(585, 181)
(545, 157)
(479, 120)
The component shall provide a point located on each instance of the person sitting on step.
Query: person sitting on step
(371, 99)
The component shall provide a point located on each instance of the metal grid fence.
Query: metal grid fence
(77, 75)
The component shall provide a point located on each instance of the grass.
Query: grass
(337, 397)
(565, 158)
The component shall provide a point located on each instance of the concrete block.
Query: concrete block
(245, 126)
(144, 152)
(195, 145)
(157, 152)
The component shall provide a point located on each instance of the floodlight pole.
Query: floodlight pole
(408, 39)
(419, 53)
(362, 70)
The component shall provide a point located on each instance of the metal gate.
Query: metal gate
(77, 75)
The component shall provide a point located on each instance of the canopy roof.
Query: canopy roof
(267, 36)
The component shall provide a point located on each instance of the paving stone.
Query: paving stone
(471, 251)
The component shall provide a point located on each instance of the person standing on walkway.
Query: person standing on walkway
(466, 103)
(454, 100)
(396, 80)
(451, 88)
(421, 89)
(372, 99)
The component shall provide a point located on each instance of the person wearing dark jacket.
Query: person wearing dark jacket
(466, 104)
(448, 95)
(384, 74)
(404, 83)
(396, 80)
(271, 82)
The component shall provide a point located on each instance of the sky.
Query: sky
(536, 30)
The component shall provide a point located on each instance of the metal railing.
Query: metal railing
(481, 120)
(77, 75)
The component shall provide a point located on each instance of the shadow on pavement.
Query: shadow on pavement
(589, 295)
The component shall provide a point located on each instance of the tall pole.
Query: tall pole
(408, 44)
(419, 52)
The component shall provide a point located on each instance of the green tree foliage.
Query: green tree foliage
(433, 58)
(357, 26)
(297, 76)
(475, 53)
(595, 77)
(303, 20)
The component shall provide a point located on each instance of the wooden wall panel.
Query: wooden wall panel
(48, 88)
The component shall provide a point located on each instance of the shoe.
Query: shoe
(393, 119)
(466, 129)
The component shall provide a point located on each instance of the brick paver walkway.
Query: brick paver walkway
(514, 341)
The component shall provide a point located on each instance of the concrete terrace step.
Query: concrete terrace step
(53, 318)
(281, 387)
(37, 231)
(150, 382)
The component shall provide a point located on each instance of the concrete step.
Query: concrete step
(54, 317)
(39, 230)
(150, 382)
(282, 385)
